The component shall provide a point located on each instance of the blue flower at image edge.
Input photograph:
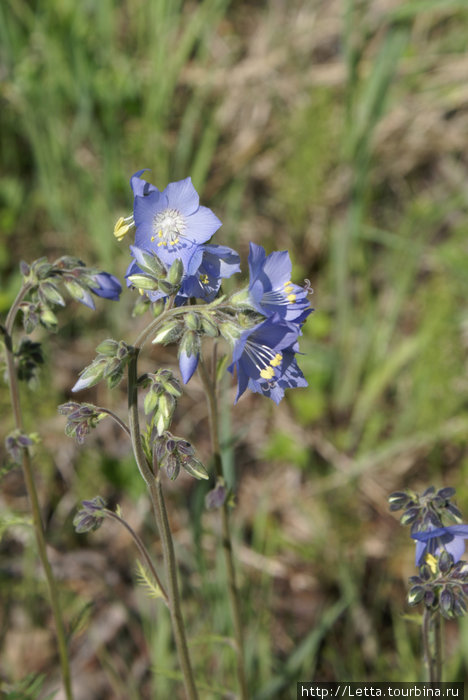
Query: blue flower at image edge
(270, 286)
(264, 359)
(451, 538)
(170, 223)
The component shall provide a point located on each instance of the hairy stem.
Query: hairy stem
(210, 391)
(154, 486)
(33, 497)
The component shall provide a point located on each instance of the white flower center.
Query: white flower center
(168, 226)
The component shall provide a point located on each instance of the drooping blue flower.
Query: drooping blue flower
(107, 286)
(171, 223)
(263, 357)
(188, 364)
(434, 541)
(207, 267)
(270, 287)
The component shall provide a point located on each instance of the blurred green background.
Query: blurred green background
(333, 128)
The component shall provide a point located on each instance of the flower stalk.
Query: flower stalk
(209, 385)
(33, 496)
(153, 483)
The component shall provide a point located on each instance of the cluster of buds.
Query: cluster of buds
(442, 582)
(441, 585)
(16, 442)
(171, 453)
(154, 276)
(161, 397)
(90, 517)
(81, 418)
(429, 510)
(80, 281)
(110, 362)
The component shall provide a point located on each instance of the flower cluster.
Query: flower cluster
(442, 582)
(81, 418)
(262, 322)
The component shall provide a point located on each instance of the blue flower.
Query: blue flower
(270, 286)
(264, 359)
(170, 223)
(451, 538)
(289, 377)
(207, 267)
(107, 286)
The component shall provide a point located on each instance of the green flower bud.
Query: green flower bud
(168, 333)
(158, 307)
(166, 287)
(209, 327)
(108, 347)
(176, 271)
(192, 321)
(194, 467)
(48, 319)
(48, 292)
(144, 282)
(415, 595)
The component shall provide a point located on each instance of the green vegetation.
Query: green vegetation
(335, 129)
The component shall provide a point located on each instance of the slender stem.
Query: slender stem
(33, 498)
(210, 390)
(157, 498)
(116, 418)
(178, 627)
(431, 632)
(142, 549)
(438, 646)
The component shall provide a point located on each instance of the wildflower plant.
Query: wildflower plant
(39, 296)
(441, 584)
(178, 272)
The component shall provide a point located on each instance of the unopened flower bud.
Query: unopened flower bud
(176, 272)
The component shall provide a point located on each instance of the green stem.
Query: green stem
(210, 390)
(431, 632)
(157, 498)
(142, 549)
(33, 497)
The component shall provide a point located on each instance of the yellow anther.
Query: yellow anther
(431, 561)
(276, 360)
(152, 239)
(160, 244)
(267, 373)
(204, 279)
(291, 298)
(123, 226)
(289, 289)
(160, 234)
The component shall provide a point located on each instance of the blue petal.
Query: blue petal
(201, 225)
(182, 196)
(141, 187)
(187, 364)
(108, 286)
(257, 257)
